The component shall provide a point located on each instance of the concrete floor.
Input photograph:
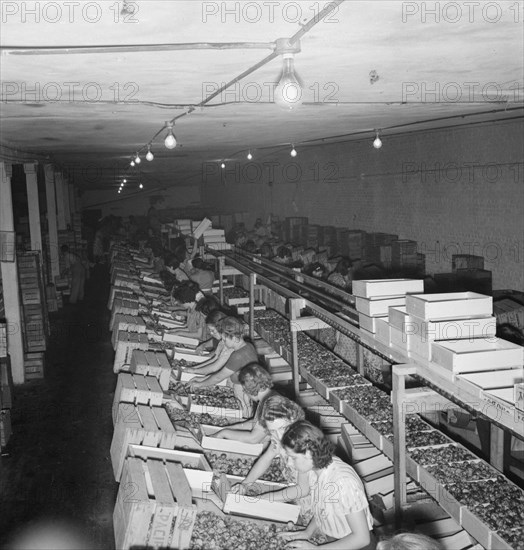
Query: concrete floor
(56, 469)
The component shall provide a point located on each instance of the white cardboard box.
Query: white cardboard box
(398, 317)
(398, 338)
(369, 323)
(477, 355)
(451, 329)
(382, 334)
(378, 307)
(496, 379)
(373, 288)
(451, 305)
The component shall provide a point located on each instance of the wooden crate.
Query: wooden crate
(136, 389)
(5, 427)
(154, 506)
(141, 425)
(214, 444)
(34, 365)
(150, 363)
(125, 344)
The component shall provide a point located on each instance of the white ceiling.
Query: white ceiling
(133, 92)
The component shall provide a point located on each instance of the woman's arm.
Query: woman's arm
(257, 470)
(211, 367)
(359, 537)
(256, 435)
(292, 492)
(299, 538)
(213, 379)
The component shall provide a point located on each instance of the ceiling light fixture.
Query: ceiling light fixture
(377, 144)
(249, 155)
(124, 181)
(149, 155)
(140, 186)
(170, 141)
(132, 163)
(288, 92)
(138, 160)
(293, 152)
(223, 165)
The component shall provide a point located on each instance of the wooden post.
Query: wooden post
(52, 220)
(30, 170)
(360, 360)
(294, 313)
(67, 206)
(9, 270)
(399, 433)
(72, 199)
(60, 203)
(252, 283)
(221, 265)
(496, 448)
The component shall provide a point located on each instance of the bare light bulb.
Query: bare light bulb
(288, 93)
(138, 160)
(293, 152)
(223, 165)
(170, 141)
(149, 155)
(124, 181)
(249, 156)
(377, 144)
(141, 186)
(132, 163)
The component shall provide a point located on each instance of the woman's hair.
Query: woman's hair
(231, 327)
(409, 541)
(185, 294)
(343, 266)
(214, 317)
(255, 378)
(302, 436)
(277, 407)
(207, 304)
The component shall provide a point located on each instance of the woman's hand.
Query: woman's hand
(293, 535)
(199, 350)
(218, 435)
(194, 384)
(300, 544)
(239, 489)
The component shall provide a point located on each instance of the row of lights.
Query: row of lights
(288, 95)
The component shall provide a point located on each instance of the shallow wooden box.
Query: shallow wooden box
(153, 507)
(378, 306)
(150, 363)
(372, 288)
(447, 306)
(477, 355)
(450, 329)
(134, 388)
(140, 425)
(214, 444)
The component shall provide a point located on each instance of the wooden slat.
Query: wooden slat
(151, 433)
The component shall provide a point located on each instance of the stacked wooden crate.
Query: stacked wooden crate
(34, 314)
(6, 393)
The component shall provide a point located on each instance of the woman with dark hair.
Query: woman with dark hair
(409, 541)
(257, 383)
(221, 354)
(276, 415)
(342, 275)
(189, 297)
(338, 500)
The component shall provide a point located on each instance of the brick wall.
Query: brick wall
(457, 190)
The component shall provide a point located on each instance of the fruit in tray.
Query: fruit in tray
(461, 472)
(441, 455)
(194, 420)
(422, 439)
(235, 292)
(413, 424)
(210, 532)
(369, 401)
(224, 464)
(217, 396)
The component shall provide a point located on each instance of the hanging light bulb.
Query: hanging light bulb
(249, 155)
(377, 144)
(140, 186)
(149, 155)
(170, 141)
(223, 165)
(124, 181)
(132, 163)
(288, 93)
(138, 160)
(293, 152)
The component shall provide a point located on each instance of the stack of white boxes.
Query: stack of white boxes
(374, 298)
